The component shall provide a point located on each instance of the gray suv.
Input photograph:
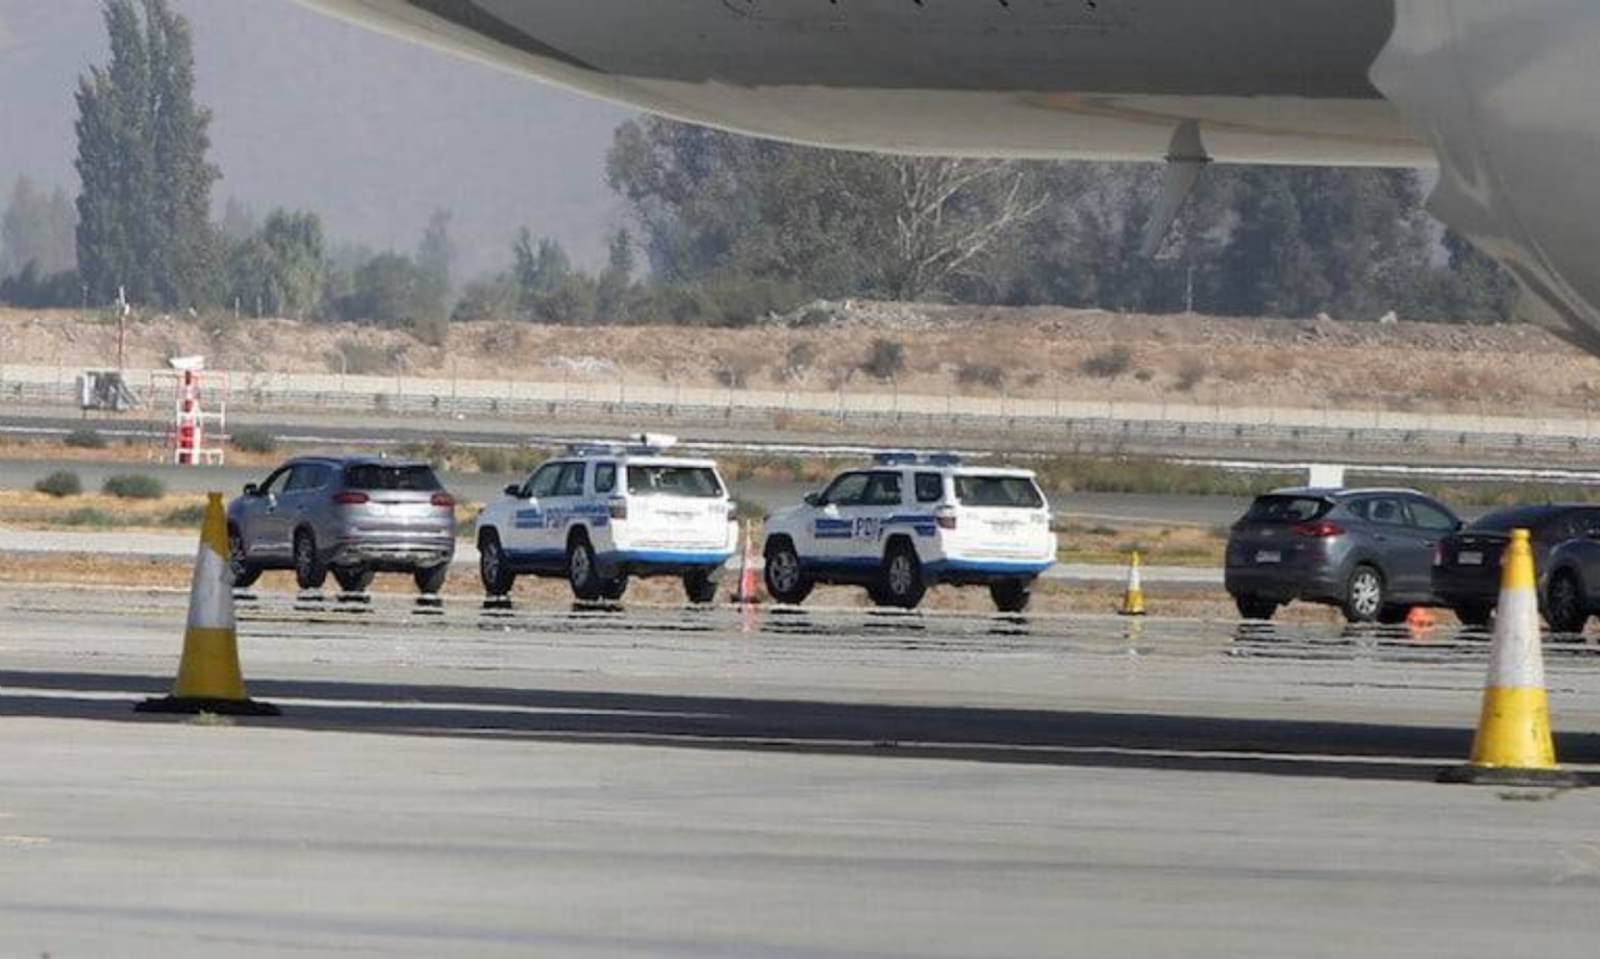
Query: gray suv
(1369, 552)
(351, 516)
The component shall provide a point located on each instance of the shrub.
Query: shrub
(60, 484)
(798, 361)
(89, 516)
(492, 460)
(85, 439)
(991, 376)
(1190, 373)
(886, 360)
(1109, 363)
(255, 441)
(134, 486)
(192, 515)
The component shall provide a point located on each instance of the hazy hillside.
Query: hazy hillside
(311, 112)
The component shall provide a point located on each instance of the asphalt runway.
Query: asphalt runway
(463, 778)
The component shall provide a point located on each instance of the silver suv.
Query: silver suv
(351, 516)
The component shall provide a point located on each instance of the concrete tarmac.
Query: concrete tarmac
(471, 779)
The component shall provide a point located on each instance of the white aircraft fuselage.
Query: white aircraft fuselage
(1500, 94)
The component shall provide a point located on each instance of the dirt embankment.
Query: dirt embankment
(929, 349)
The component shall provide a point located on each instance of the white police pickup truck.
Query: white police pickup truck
(910, 522)
(602, 513)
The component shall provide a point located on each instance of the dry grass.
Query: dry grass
(1042, 351)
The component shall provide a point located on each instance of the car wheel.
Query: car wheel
(1011, 595)
(1474, 614)
(244, 573)
(430, 579)
(1255, 607)
(494, 567)
(786, 580)
(310, 572)
(1566, 608)
(583, 573)
(700, 587)
(614, 589)
(902, 582)
(1363, 594)
(354, 579)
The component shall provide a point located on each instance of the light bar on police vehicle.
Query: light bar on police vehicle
(911, 458)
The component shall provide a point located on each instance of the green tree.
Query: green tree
(144, 213)
(548, 289)
(280, 271)
(615, 292)
(37, 228)
(436, 256)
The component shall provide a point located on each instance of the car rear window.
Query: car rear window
(1014, 492)
(376, 476)
(696, 481)
(1287, 509)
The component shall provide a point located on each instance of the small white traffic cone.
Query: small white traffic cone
(209, 679)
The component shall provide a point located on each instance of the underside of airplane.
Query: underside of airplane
(1500, 95)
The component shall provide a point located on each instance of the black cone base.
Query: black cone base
(191, 706)
(1470, 775)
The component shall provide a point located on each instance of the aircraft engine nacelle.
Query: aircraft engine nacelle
(1509, 94)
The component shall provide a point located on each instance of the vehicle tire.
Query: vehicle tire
(583, 573)
(430, 579)
(614, 589)
(1255, 607)
(354, 579)
(244, 574)
(310, 572)
(1363, 594)
(901, 582)
(1474, 614)
(1566, 608)
(494, 567)
(700, 587)
(1011, 595)
(785, 578)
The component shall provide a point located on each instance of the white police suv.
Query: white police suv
(602, 513)
(909, 522)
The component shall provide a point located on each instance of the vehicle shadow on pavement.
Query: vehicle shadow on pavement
(975, 734)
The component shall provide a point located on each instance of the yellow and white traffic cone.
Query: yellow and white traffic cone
(1133, 599)
(1514, 746)
(209, 680)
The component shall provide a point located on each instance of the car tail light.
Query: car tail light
(443, 501)
(945, 516)
(617, 508)
(1438, 556)
(351, 497)
(733, 511)
(1319, 530)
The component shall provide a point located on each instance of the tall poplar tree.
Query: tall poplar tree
(144, 213)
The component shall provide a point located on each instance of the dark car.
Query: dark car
(349, 516)
(1367, 551)
(1466, 573)
(1570, 582)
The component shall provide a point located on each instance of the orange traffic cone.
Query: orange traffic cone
(1420, 619)
(748, 596)
(209, 680)
(1514, 746)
